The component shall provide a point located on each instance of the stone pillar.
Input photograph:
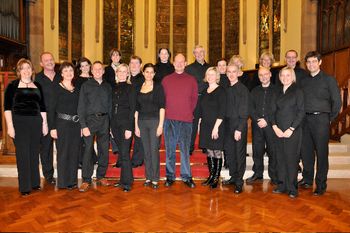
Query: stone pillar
(308, 28)
(36, 31)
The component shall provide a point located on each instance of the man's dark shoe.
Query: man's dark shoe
(230, 181)
(36, 188)
(238, 189)
(204, 151)
(273, 182)
(277, 191)
(169, 182)
(25, 193)
(51, 181)
(319, 192)
(190, 183)
(293, 195)
(254, 178)
(127, 188)
(304, 184)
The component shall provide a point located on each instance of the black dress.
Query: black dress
(25, 105)
(212, 107)
(68, 141)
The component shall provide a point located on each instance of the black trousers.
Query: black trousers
(264, 141)
(99, 128)
(195, 125)
(68, 146)
(236, 152)
(28, 131)
(287, 154)
(315, 143)
(46, 156)
(150, 142)
(118, 130)
(138, 153)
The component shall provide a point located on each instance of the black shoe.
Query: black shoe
(25, 193)
(118, 164)
(204, 151)
(147, 183)
(319, 192)
(238, 189)
(169, 182)
(36, 188)
(51, 181)
(254, 178)
(277, 191)
(216, 173)
(71, 187)
(304, 185)
(211, 167)
(230, 181)
(293, 195)
(273, 182)
(136, 165)
(127, 188)
(155, 185)
(190, 152)
(190, 183)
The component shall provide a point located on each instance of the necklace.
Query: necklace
(70, 90)
(26, 83)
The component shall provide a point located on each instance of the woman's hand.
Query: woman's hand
(137, 131)
(215, 133)
(288, 133)
(11, 131)
(53, 133)
(45, 129)
(278, 131)
(127, 134)
(159, 130)
(86, 132)
(238, 135)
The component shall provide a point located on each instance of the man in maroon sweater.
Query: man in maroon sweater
(181, 97)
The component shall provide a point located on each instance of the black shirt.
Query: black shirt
(213, 106)
(162, 70)
(288, 108)
(94, 98)
(198, 70)
(123, 105)
(245, 80)
(137, 81)
(321, 94)
(224, 81)
(300, 74)
(63, 101)
(262, 100)
(109, 75)
(148, 104)
(79, 81)
(24, 101)
(237, 106)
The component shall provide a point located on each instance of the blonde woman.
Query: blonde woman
(25, 116)
(122, 123)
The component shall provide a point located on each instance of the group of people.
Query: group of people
(291, 111)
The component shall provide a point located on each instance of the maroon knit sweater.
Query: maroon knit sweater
(180, 96)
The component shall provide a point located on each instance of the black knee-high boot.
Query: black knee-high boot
(211, 171)
(217, 171)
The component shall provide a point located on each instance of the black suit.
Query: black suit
(288, 112)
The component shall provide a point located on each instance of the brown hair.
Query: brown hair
(19, 65)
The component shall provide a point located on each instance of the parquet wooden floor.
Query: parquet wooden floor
(174, 209)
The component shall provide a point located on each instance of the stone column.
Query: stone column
(36, 31)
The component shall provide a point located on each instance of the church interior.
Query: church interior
(70, 29)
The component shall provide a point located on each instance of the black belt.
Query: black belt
(314, 113)
(99, 114)
(67, 117)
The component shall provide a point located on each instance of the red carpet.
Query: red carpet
(198, 165)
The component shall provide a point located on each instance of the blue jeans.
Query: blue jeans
(177, 132)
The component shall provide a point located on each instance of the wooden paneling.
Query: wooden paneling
(180, 26)
(163, 24)
(342, 64)
(328, 63)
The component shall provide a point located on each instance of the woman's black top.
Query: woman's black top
(63, 101)
(79, 81)
(24, 101)
(224, 81)
(148, 104)
(162, 70)
(288, 108)
(123, 105)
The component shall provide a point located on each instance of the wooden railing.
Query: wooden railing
(341, 125)
(7, 154)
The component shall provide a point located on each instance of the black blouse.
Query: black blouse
(288, 108)
(148, 104)
(213, 105)
(123, 105)
(162, 70)
(63, 101)
(24, 101)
